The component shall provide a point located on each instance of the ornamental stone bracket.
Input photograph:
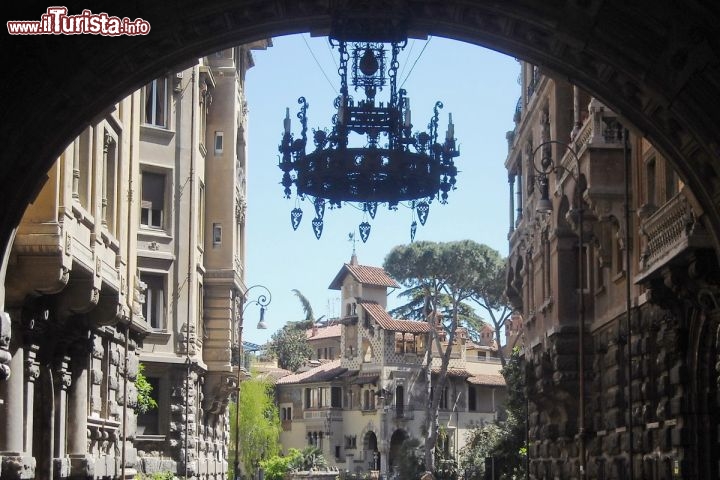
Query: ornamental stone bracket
(5, 336)
(82, 466)
(219, 388)
(17, 467)
(693, 282)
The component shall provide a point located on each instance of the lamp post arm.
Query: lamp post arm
(262, 300)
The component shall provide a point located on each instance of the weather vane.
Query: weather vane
(351, 238)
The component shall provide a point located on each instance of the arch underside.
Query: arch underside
(659, 67)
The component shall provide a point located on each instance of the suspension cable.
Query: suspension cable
(318, 64)
(416, 60)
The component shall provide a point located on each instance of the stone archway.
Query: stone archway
(397, 439)
(657, 67)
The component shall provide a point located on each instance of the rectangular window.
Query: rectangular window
(85, 165)
(219, 143)
(399, 344)
(472, 399)
(650, 182)
(110, 182)
(149, 423)
(336, 397)
(154, 307)
(308, 398)
(671, 182)
(201, 216)
(217, 234)
(420, 343)
(152, 203)
(202, 335)
(155, 96)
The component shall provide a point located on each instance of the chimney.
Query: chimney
(314, 330)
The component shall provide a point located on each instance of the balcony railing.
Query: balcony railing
(670, 231)
(601, 129)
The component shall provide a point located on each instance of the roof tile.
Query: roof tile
(366, 275)
(490, 380)
(323, 373)
(385, 321)
(330, 331)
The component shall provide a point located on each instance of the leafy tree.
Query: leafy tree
(417, 309)
(409, 464)
(290, 346)
(505, 440)
(145, 402)
(259, 423)
(489, 294)
(453, 269)
(310, 457)
(277, 466)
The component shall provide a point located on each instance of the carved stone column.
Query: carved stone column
(81, 464)
(77, 404)
(15, 463)
(32, 372)
(5, 336)
(63, 382)
(11, 438)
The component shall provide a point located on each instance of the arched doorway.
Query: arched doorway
(372, 453)
(396, 442)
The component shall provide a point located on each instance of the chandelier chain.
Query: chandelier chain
(411, 167)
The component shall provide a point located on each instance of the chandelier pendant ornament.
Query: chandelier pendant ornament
(423, 209)
(295, 217)
(389, 164)
(317, 225)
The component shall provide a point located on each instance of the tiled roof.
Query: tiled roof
(453, 372)
(323, 332)
(366, 275)
(386, 322)
(274, 374)
(323, 373)
(490, 380)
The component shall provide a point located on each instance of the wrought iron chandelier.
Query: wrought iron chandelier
(392, 165)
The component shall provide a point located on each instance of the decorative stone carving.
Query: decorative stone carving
(15, 467)
(5, 335)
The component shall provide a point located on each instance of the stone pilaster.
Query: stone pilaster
(81, 462)
(16, 464)
(63, 380)
(5, 335)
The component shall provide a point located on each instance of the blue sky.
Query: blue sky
(478, 86)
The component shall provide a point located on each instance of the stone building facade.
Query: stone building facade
(360, 403)
(124, 259)
(620, 345)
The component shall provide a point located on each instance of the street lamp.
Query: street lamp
(544, 206)
(263, 300)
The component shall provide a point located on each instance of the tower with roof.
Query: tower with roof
(362, 404)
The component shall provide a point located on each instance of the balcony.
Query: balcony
(669, 233)
(401, 412)
(601, 129)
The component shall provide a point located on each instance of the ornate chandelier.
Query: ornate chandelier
(391, 165)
